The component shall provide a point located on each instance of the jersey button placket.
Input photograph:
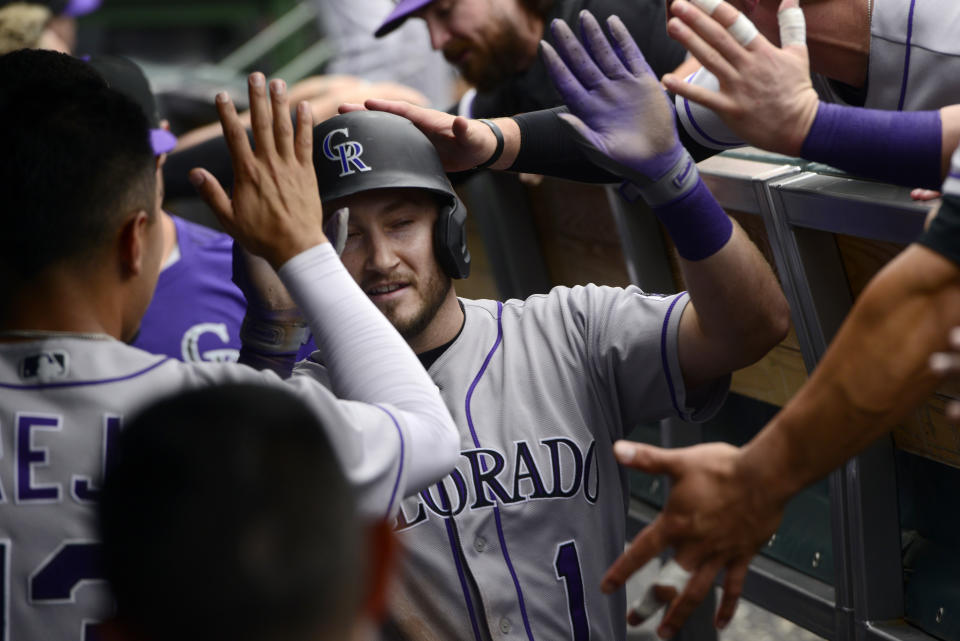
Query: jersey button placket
(480, 544)
(505, 625)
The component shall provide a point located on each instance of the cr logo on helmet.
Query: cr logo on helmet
(347, 153)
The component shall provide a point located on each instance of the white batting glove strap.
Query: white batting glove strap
(671, 575)
(273, 335)
(335, 229)
(676, 183)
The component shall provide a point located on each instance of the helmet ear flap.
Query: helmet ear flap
(450, 239)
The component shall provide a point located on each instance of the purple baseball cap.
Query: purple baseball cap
(77, 8)
(399, 14)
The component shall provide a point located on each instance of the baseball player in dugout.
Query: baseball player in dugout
(493, 43)
(79, 259)
(515, 541)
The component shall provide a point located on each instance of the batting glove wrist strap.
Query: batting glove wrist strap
(275, 335)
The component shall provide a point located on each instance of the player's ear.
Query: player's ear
(133, 242)
(382, 552)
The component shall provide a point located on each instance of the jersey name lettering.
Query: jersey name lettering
(31, 458)
(492, 477)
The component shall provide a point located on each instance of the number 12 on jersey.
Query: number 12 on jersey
(567, 564)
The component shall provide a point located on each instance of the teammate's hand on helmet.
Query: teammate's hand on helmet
(947, 365)
(461, 143)
(717, 515)
(765, 96)
(275, 211)
(615, 101)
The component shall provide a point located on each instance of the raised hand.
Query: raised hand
(717, 515)
(615, 101)
(765, 94)
(461, 143)
(275, 211)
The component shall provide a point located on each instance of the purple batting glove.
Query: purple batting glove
(616, 103)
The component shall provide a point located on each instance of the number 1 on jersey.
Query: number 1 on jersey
(567, 565)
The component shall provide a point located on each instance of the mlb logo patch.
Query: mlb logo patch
(45, 366)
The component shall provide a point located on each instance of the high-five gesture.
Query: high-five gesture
(275, 211)
(615, 101)
(765, 95)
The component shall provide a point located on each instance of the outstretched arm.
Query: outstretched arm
(726, 502)
(275, 212)
(626, 125)
(766, 98)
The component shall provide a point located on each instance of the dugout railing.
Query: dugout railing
(869, 553)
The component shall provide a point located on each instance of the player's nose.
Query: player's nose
(381, 256)
(439, 34)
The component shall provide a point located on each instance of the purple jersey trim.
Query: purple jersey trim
(483, 369)
(476, 442)
(693, 121)
(906, 58)
(396, 484)
(513, 573)
(454, 549)
(103, 381)
(663, 356)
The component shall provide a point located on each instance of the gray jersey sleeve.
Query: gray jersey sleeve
(629, 342)
(374, 442)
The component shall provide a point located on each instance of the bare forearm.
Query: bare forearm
(872, 375)
(740, 312)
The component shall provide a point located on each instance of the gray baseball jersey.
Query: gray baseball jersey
(513, 543)
(62, 403)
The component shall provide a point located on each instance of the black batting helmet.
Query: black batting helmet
(364, 150)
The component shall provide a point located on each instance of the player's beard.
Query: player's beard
(492, 61)
(433, 291)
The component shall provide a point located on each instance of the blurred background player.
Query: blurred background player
(226, 516)
(79, 259)
(494, 44)
(44, 24)
(539, 387)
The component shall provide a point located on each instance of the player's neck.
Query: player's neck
(65, 300)
(443, 328)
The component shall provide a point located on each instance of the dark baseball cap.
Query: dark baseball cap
(399, 15)
(125, 76)
(71, 8)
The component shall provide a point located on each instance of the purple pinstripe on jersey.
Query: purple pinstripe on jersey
(396, 484)
(663, 354)
(104, 381)
(454, 549)
(906, 58)
(476, 442)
